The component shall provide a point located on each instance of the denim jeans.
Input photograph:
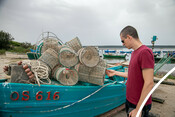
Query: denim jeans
(145, 111)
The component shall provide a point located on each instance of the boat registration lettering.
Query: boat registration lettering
(16, 95)
(24, 93)
(40, 95)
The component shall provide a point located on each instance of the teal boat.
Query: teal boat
(157, 59)
(168, 58)
(124, 52)
(80, 100)
(114, 56)
(32, 55)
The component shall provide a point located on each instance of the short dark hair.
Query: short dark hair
(129, 30)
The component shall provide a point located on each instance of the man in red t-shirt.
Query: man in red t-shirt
(140, 73)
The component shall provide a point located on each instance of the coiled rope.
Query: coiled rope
(40, 70)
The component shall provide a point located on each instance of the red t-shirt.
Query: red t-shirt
(140, 59)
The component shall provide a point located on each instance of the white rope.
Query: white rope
(40, 72)
(149, 94)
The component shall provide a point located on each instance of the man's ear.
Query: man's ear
(129, 37)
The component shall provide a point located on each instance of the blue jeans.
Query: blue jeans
(129, 107)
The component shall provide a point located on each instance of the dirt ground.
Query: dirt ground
(166, 92)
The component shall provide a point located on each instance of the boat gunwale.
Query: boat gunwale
(64, 86)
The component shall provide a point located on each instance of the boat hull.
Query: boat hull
(157, 59)
(26, 100)
(32, 55)
(114, 56)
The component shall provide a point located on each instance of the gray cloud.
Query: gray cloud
(95, 22)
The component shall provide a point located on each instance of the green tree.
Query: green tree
(5, 39)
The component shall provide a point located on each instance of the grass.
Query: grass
(19, 50)
(169, 77)
(2, 51)
(16, 50)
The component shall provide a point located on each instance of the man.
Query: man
(140, 73)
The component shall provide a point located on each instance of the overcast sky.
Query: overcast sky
(95, 22)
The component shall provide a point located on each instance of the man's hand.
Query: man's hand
(133, 113)
(110, 73)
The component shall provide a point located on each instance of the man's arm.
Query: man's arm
(148, 85)
(111, 73)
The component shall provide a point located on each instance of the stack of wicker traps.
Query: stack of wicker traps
(71, 63)
(89, 56)
(65, 76)
(50, 57)
(57, 64)
(91, 68)
(75, 44)
(68, 57)
(50, 43)
(94, 75)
